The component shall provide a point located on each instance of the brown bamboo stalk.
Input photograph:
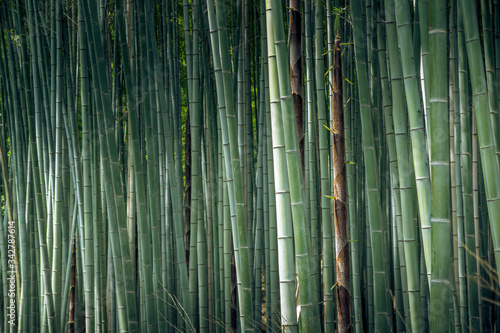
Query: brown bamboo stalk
(340, 193)
(296, 76)
(72, 293)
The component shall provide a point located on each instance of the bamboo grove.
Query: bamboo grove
(191, 166)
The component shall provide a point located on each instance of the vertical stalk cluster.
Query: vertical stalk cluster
(228, 166)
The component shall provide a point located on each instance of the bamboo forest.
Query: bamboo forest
(250, 166)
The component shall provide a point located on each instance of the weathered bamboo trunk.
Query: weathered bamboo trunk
(340, 193)
(296, 75)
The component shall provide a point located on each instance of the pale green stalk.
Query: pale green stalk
(485, 133)
(308, 301)
(58, 208)
(274, 290)
(416, 124)
(289, 320)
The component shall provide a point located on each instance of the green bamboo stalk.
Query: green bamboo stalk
(170, 162)
(353, 221)
(144, 240)
(485, 133)
(241, 80)
(374, 84)
(72, 177)
(249, 167)
(401, 309)
(114, 191)
(287, 263)
(227, 256)
(224, 210)
(195, 118)
(100, 260)
(308, 301)
(219, 314)
(368, 258)
(177, 211)
(202, 272)
(259, 216)
(58, 196)
(111, 295)
(19, 190)
(489, 62)
(266, 198)
(483, 241)
(36, 174)
(409, 257)
(210, 133)
(273, 315)
(87, 182)
(327, 236)
(43, 144)
(312, 186)
(209, 258)
(496, 26)
(466, 163)
(233, 170)
(34, 273)
(416, 124)
(67, 289)
(366, 273)
(381, 309)
(148, 52)
(26, 309)
(455, 159)
(422, 52)
(439, 158)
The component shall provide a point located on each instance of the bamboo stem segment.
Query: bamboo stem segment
(340, 195)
